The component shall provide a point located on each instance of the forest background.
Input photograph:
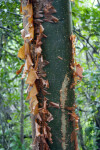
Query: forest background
(86, 27)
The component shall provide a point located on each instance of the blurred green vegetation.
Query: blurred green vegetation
(86, 27)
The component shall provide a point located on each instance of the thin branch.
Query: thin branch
(10, 53)
(93, 60)
(28, 115)
(14, 13)
(98, 2)
(87, 96)
(86, 39)
(94, 48)
(27, 136)
(6, 28)
(13, 78)
(79, 109)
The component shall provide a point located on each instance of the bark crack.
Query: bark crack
(63, 98)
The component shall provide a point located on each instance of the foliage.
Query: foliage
(10, 41)
(86, 16)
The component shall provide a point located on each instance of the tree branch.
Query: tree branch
(87, 40)
(6, 28)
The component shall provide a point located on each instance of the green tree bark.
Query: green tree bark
(59, 74)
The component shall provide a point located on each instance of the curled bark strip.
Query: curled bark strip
(20, 70)
(54, 105)
(60, 58)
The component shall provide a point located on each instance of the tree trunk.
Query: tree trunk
(81, 136)
(98, 128)
(22, 113)
(58, 51)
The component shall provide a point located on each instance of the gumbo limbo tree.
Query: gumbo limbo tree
(51, 73)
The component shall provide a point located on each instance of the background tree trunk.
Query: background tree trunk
(59, 74)
(98, 128)
(22, 113)
(81, 136)
(33, 130)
